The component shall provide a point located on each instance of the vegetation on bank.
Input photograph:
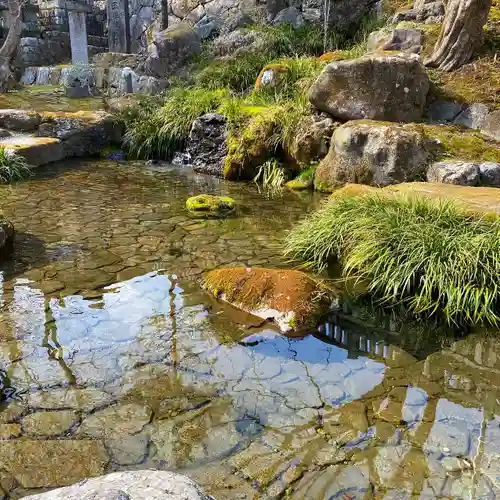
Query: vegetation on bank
(260, 117)
(428, 255)
(13, 167)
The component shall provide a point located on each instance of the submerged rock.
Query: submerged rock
(392, 88)
(374, 153)
(131, 485)
(289, 298)
(206, 205)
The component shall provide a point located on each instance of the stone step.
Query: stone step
(37, 150)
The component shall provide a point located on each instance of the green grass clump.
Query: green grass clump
(13, 167)
(160, 132)
(429, 256)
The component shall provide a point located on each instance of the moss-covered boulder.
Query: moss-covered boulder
(249, 148)
(375, 153)
(291, 299)
(207, 205)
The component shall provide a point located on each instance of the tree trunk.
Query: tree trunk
(461, 34)
(10, 45)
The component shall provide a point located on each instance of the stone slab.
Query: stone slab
(37, 150)
(118, 26)
(78, 37)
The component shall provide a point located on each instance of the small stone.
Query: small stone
(10, 431)
(473, 116)
(49, 423)
(12, 413)
(454, 172)
(444, 111)
(489, 174)
(128, 450)
(116, 420)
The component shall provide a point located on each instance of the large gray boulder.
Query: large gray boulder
(132, 485)
(374, 153)
(170, 49)
(207, 144)
(389, 88)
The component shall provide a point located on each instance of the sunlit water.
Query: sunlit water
(111, 358)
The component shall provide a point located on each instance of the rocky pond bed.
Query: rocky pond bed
(112, 358)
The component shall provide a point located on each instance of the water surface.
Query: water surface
(111, 358)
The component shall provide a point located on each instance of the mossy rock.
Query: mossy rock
(207, 205)
(293, 300)
(272, 75)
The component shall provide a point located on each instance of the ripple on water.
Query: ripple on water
(111, 358)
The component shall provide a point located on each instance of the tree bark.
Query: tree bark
(461, 34)
(10, 45)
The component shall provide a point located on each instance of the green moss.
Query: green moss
(461, 143)
(212, 206)
(304, 181)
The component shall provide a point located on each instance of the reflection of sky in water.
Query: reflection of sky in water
(142, 320)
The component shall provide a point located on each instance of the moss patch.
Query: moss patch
(47, 98)
(206, 205)
(304, 181)
(478, 200)
(259, 289)
(462, 143)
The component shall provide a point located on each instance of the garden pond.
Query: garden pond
(112, 358)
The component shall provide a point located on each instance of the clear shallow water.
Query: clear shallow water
(112, 358)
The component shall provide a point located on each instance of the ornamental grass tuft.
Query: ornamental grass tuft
(13, 167)
(430, 256)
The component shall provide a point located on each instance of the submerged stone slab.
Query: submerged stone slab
(132, 485)
(49, 464)
(49, 423)
(76, 399)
